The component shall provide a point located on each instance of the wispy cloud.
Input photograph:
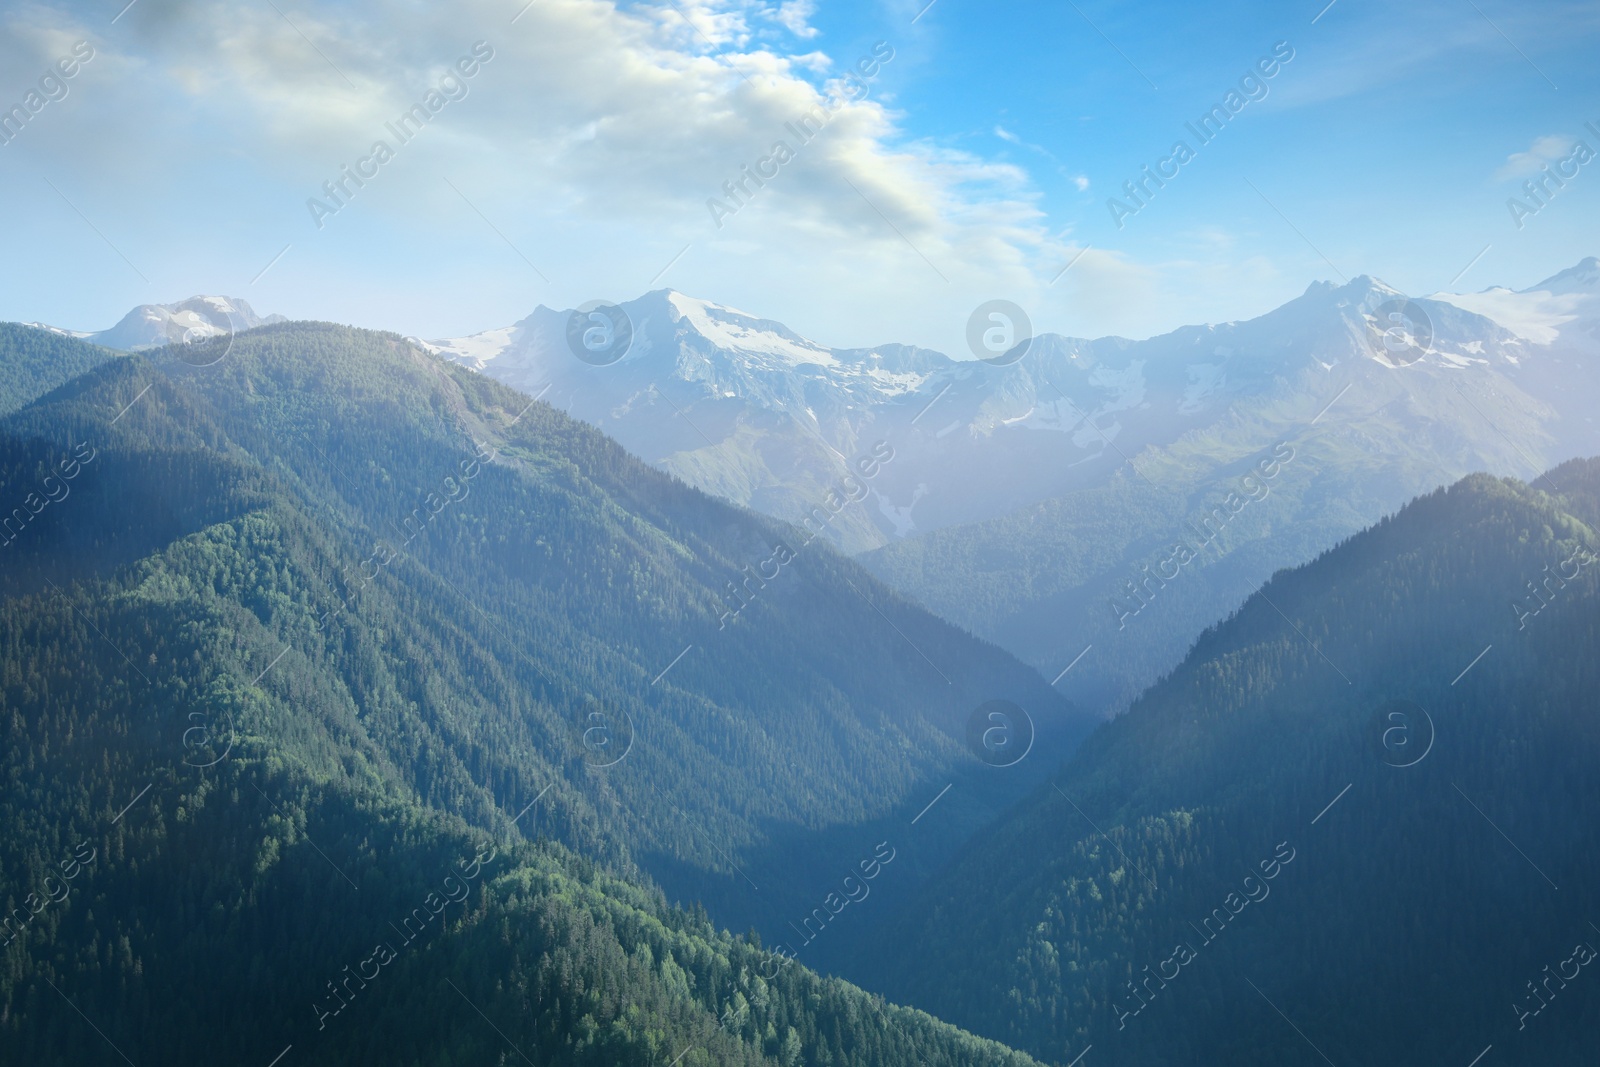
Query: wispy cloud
(1544, 150)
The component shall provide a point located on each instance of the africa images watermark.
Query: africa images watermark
(52, 88)
(33, 904)
(854, 890)
(1582, 955)
(451, 490)
(815, 522)
(1000, 733)
(452, 87)
(1549, 184)
(1252, 87)
(1543, 593)
(849, 89)
(457, 887)
(33, 504)
(1255, 486)
(1210, 928)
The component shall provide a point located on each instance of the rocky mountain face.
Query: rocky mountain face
(1332, 411)
(1032, 502)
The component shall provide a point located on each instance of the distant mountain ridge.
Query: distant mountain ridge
(198, 318)
(1022, 501)
(744, 407)
(1374, 411)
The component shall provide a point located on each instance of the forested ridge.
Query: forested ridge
(305, 632)
(1412, 720)
(38, 361)
(301, 655)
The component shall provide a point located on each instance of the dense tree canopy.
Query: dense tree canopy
(328, 617)
(1126, 904)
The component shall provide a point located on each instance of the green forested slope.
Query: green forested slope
(348, 614)
(37, 361)
(206, 919)
(1428, 829)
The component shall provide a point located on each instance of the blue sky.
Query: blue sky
(580, 160)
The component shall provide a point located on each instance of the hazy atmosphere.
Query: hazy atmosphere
(775, 533)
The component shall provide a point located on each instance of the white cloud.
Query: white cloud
(596, 135)
(586, 107)
(591, 143)
(794, 16)
(1544, 150)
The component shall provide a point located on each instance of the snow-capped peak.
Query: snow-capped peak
(1366, 284)
(198, 318)
(1584, 277)
(1355, 290)
(737, 332)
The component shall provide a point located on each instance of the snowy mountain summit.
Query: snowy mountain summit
(199, 318)
(1565, 306)
(745, 407)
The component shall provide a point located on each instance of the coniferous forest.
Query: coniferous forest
(333, 687)
(292, 647)
(799, 533)
(1333, 809)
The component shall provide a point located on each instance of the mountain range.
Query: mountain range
(298, 642)
(1125, 572)
(1044, 504)
(1356, 825)
(464, 735)
(746, 408)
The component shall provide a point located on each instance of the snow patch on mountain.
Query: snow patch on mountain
(1539, 312)
(1536, 316)
(738, 332)
(478, 350)
(198, 318)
